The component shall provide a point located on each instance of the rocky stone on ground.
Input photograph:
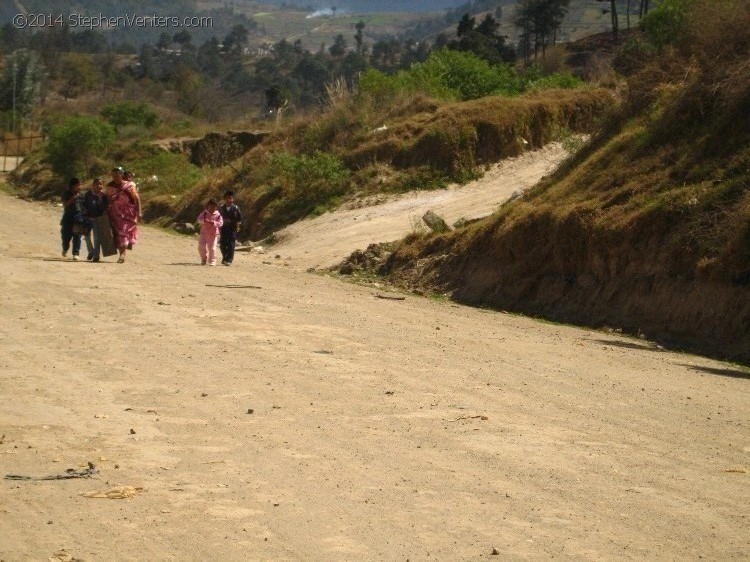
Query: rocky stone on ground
(435, 222)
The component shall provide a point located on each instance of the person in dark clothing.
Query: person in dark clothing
(94, 207)
(228, 234)
(72, 219)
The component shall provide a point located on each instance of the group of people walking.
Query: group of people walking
(111, 215)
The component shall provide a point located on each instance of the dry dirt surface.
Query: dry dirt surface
(328, 239)
(8, 164)
(262, 413)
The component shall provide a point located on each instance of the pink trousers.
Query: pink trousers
(207, 247)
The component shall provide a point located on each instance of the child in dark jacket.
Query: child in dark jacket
(72, 216)
(232, 218)
(94, 209)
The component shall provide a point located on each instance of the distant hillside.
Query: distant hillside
(371, 6)
(293, 19)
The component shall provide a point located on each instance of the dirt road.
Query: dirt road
(328, 239)
(9, 163)
(306, 419)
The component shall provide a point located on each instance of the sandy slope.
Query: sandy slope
(380, 429)
(328, 239)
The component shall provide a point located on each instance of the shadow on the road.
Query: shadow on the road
(64, 260)
(187, 264)
(737, 373)
(629, 345)
(235, 286)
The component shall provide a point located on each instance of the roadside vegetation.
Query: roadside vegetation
(338, 124)
(648, 227)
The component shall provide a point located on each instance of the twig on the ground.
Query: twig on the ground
(483, 418)
(69, 474)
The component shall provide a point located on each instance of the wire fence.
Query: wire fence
(14, 148)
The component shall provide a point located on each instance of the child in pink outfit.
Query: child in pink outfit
(210, 221)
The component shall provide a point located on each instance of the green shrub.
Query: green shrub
(562, 80)
(665, 23)
(632, 56)
(377, 85)
(130, 113)
(165, 173)
(458, 75)
(75, 144)
(310, 180)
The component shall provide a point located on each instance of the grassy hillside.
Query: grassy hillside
(649, 228)
(396, 133)
(356, 149)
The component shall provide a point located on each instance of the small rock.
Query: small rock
(435, 222)
(132, 432)
(204, 394)
(346, 269)
(250, 411)
(495, 552)
(184, 228)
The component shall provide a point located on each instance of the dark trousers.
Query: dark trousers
(66, 230)
(227, 241)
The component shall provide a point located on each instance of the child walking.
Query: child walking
(232, 219)
(70, 224)
(210, 221)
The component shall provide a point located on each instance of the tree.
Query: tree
(209, 58)
(483, 40)
(165, 40)
(51, 43)
(237, 39)
(312, 74)
(338, 49)
(386, 54)
(489, 26)
(276, 97)
(89, 41)
(183, 38)
(79, 75)
(539, 21)
(76, 142)
(187, 83)
(11, 38)
(466, 25)
(128, 112)
(148, 61)
(359, 37)
(615, 19)
(664, 24)
(20, 82)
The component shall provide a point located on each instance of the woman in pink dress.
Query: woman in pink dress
(124, 211)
